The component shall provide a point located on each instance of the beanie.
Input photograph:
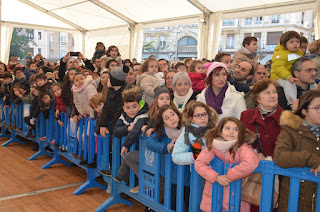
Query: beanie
(159, 90)
(118, 75)
(211, 66)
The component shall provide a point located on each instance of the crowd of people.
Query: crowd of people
(194, 109)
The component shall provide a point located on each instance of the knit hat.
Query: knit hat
(160, 89)
(118, 75)
(29, 57)
(211, 66)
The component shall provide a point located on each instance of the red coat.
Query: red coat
(269, 128)
(197, 80)
(60, 105)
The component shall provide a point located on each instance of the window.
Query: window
(258, 20)
(230, 41)
(29, 34)
(63, 40)
(248, 21)
(162, 41)
(39, 50)
(51, 38)
(302, 18)
(187, 41)
(51, 54)
(39, 35)
(258, 36)
(273, 38)
(247, 35)
(147, 39)
(275, 19)
(228, 22)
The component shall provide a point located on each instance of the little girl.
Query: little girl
(147, 81)
(230, 142)
(113, 53)
(56, 89)
(83, 89)
(100, 51)
(66, 92)
(197, 118)
(197, 74)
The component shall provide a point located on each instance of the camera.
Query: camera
(74, 54)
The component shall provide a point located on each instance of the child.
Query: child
(30, 70)
(113, 53)
(50, 77)
(30, 120)
(133, 117)
(304, 45)
(230, 142)
(197, 75)
(42, 82)
(56, 89)
(247, 53)
(147, 81)
(9, 81)
(180, 67)
(197, 118)
(83, 89)
(224, 58)
(100, 51)
(66, 93)
(38, 59)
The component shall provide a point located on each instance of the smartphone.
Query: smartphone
(74, 54)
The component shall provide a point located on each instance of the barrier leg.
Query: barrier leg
(40, 152)
(13, 139)
(90, 183)
(4, 134)
(55, 160)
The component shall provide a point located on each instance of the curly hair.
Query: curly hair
(314, 47)
(131, 94)
(145, 65)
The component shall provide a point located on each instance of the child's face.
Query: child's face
(153, 67)
(114, 52)
(19, 74)
(78, 80)
(33, 67)
(227, 60)
(112, 65)
(2, 68)
(199, 68)
(163, 99)
(100, 47)
(16, 91)
(37, 58)
(56, 91)
(22, 91)
(230, 131)
(181, 68)
(131, 108)
(303, 47)
(46, 99)
(293, 44)
(99, 107)
(253, 47)
(104, 78)
(71, 74)
(200, 117)
(34, 91)
(170, 118)
(163, 66)
(50, 76)
(7, 80)
(41, 82)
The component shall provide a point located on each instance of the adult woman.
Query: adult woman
(298, 146)
(220, 94)
(168, 80)
(183, 92)
(103, 84)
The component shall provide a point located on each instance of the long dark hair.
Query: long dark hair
(66, 93)
(158, 121)
(305, 100)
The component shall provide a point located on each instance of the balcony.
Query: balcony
(187, 48)
(228, 23)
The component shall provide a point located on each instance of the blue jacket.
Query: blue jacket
(121, 127)
(28, 73)
(181, 154)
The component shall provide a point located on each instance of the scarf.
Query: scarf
(181, 101)
(222, 145)
(214, 100)
(197, 132)
(172, 132)
(314, 128)
(76, 89)
(266, 113)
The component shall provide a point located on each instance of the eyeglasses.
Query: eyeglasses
(199, 116)
(317, 108)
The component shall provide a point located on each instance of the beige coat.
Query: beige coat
(147, 83)
(244, 55)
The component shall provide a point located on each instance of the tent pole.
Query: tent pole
(0, 28)
(131, 44)
(84, 42)
(317, 20)
(217, 28)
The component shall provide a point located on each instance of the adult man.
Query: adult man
(65, 64)
(131, 77)
(247, 52)
(259, 73)
(305, 71)
(136, 68)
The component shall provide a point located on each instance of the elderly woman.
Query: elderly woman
(183, 92)
(220, 94)
(168, 77)
(298, 146)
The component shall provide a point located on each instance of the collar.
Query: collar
(255, 116)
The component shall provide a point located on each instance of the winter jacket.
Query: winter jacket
(147, 83)
(112, 109)
(82, 96)
(27, 98)
(121, 128)
(296, 146)
(282, 61)
(35, 108)
(182, 154)
(59, 104)
(197, 79)
(244, 55)
(99, 54)
(28, 73)
(7, 89)
(233, 103)
(268, 129)
(248, 162)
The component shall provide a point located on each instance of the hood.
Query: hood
(285, 51)
(88, 81)
(291, 120)
(244, 50)
(142, 76)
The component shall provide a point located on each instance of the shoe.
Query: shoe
(84, 162)
(77, 156)
(147, 209)
(52, 142)
(12, 127)
(43, 138)
(61, 149)
(48, 149)
(106, 172)
(28, 134)
(17, 129)
(3, 123)
(135, 190)
(91, 165)
(56, 146)
(8, 127)
(117, 179)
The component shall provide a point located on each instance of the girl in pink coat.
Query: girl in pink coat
(230, 142)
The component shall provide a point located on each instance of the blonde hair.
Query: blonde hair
(96, 100)
(314, 47)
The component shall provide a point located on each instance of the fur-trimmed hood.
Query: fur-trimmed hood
(291, 120)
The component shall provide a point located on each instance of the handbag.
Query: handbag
(251, 185)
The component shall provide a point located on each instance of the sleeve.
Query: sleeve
(241, 87)
(285, 156)
(282, 100)
(102, 121)
(62, 70)
(181, 154)
(27, 99)
(156, 145)
(134, 133)
(240, 107)
(279, 61)
(148, 84)
(77, 104)
(89, 65)
(91, 91)
(249, 162)
(36, 112)
(202, 166)
(120, 129)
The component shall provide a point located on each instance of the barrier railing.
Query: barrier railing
(160, 190)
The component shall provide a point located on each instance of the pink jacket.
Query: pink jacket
(248, 163)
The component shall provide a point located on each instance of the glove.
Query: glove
(196, 149)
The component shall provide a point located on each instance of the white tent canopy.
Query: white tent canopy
(121, 22)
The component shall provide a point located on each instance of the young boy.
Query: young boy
(9, 81)
(42, 83)
(247, 52)
(30, 70)
(132, 119)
